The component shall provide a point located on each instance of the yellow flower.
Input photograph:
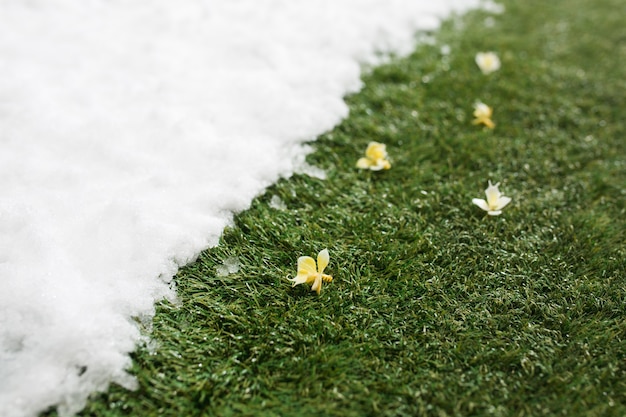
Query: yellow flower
(495, 200)
(482, 114)
(488, 62)
(375, 157)
(310, 274)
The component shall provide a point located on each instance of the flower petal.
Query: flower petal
(485, 121)
(494, 212)
(376, 151)
(306, 264)
(322, 260)
(383, 163)
(502, 201)
(482, 110)
(488, 122)
(493, 194)
(298, 279)
(363, 163)
(481, 203)
(378, 165)
(317, 285)
(306, 270)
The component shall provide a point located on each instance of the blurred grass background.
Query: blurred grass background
(435, 309)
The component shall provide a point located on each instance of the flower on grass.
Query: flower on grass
(310, 274)
(375, 157)
(495, 200)
(488, 62)
(482, 114)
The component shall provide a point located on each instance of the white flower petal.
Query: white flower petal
(322, 260)
(363, 163)
(300, 279)
(494, 212)
(317, 285)
(378, 166)
(502, 201)
(481, 203)
(493, 194)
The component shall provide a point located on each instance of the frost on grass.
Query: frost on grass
(229, 266)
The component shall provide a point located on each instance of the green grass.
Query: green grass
(435, 309)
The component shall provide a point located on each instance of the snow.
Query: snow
(277, 203)
(130, 132)
(229, 266)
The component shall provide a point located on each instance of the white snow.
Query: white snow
(229, 266)
(129, 134)
(277, 203)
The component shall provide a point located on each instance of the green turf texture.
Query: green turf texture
(435, 309)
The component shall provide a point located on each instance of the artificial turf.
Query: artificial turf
(435, 309)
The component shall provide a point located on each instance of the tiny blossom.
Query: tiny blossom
(488, 62)
(495, 200)
(482, 114)
(309, 273)
(375, 157)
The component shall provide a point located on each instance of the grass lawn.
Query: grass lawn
(436, 309)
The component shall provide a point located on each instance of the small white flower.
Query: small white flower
(488, 62)
(495, 200)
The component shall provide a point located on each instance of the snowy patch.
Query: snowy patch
(493, 7)
(129, 134)
(229, 266)
(277, 203)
